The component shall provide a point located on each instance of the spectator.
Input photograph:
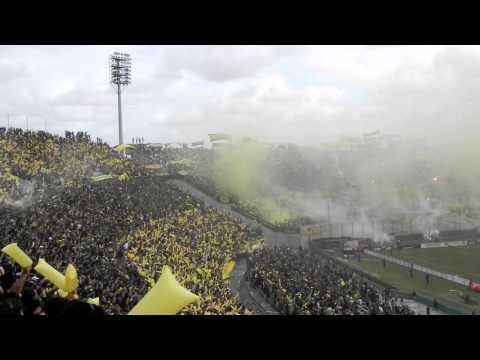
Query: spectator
(303, 283)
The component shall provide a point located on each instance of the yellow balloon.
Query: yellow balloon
(18, 255)
(167, 297)
(71, 278)
(51, 274)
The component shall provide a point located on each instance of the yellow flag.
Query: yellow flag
(227, 269)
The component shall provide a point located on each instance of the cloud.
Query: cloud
(430, 100)
(268, 107)
(284, 93)
(225, 63)
(11, 72)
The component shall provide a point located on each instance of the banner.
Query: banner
(433, 245)
(444, 244)
(219, 137)
(457, 243)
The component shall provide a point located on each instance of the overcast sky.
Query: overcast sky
(300, 94)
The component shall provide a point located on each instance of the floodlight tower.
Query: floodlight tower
(120, 77)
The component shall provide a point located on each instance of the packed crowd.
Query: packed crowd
(43, 158)
(119, 235)
(298, 282)
(171, 159)
(287, 166)
(87, 226)
(196, 244)
(93, 227)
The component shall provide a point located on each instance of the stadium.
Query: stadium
(373, 224)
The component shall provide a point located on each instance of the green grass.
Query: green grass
(399, 277)
(461, 261)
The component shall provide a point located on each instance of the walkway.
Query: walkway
(248, 297)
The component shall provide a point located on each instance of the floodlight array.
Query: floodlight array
(120, 69)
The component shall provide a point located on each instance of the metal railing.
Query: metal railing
(409, 265)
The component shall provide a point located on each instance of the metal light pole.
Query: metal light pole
(328, 215)
(120, 77)
(120, 124)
